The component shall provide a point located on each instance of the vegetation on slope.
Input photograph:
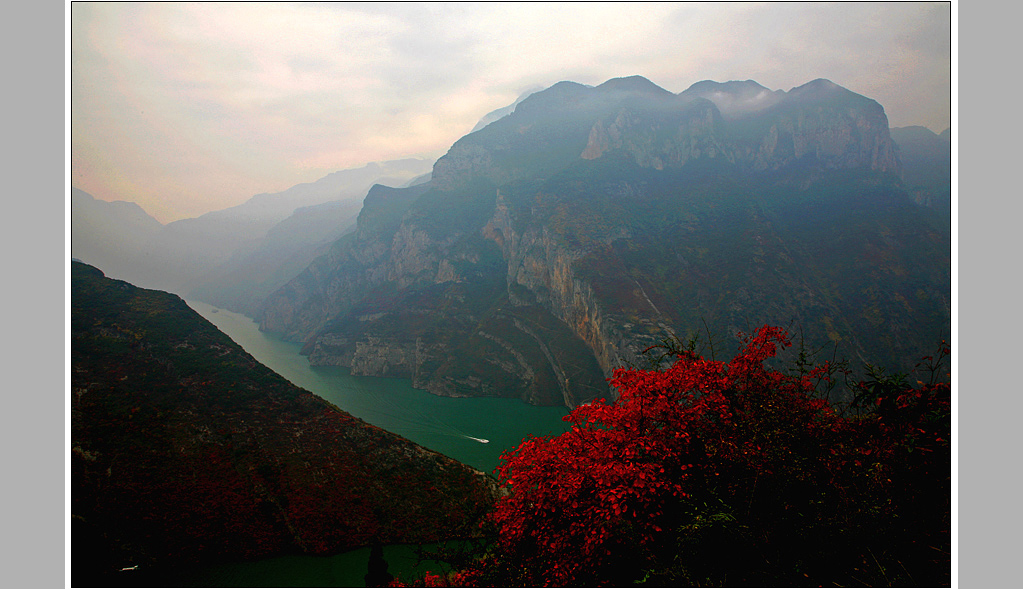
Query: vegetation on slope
(184, 449)
(709, 473)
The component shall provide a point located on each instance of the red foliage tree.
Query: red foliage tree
(725, 473)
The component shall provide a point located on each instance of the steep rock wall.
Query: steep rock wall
(540, 270)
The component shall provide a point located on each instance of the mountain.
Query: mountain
(186, 450)
(926, 165)
(255, 271)
(503, 111)
(109, 234)
(189, 253)
(560, 241)
(190, 249)
(736, 99)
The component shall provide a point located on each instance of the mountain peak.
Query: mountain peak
(502, 112)
(823, 89)
(744, 87)
(559, 93)
(734, 99)
(823, 83)
(637, 84)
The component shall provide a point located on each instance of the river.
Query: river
(454, 427)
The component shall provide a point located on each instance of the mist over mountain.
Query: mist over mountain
(110, 234)
(926, 165)
(504, 111)
(187, 254)
(343, 185)
(559, 241)
(736, 99)
(257, 269)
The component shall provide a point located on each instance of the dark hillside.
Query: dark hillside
(185, 450)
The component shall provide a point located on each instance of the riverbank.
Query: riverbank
(454, 427)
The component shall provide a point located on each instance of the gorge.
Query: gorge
(548, 247)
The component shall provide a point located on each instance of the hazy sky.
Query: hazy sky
(186, 108)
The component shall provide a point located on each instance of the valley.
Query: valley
(346, 363)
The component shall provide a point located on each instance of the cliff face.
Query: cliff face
(607, 218)
(541, 270)
(353, 266)
(819, 122)
(668, 135)
(184, 449)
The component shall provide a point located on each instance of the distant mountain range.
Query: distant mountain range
(109, 234)
(559, 241)
(186, 450)
(209, 252)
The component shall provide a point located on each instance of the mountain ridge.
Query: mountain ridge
(584, 206)
(109, 233)
(189, 254)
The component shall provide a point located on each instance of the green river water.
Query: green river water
(453, 427)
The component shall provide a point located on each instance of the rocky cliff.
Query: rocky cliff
(185, 450)
(819, 122)
(602, 219)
